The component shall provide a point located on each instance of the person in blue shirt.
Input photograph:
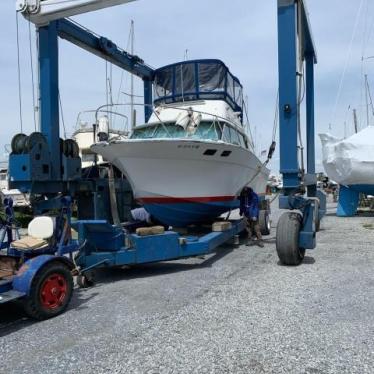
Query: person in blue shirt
(249, 209)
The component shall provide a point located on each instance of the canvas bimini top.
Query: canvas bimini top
(197, 80)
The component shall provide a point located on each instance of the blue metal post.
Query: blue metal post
(49, 102)
(310, 128)
(148, 99)
(288, 109)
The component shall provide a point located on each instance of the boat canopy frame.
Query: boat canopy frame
(206, 79)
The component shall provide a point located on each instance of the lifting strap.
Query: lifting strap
(112, 196)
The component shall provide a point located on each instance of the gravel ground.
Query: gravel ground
(238, 311)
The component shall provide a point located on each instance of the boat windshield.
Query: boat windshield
(197, 80)
(205, 130)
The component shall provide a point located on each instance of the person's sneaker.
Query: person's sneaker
(260, 243)
(249, 242)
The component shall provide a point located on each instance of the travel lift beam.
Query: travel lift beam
(41, 12)
(296, 230)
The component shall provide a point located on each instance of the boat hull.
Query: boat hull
(183, 182)
(350, 161)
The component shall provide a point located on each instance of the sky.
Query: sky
(242, 33)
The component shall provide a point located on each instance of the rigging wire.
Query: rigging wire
(19, 75)
(62, 114)
(111, 91)
(368, 29)
(251, 139)
(123, 72)
(367, 34)
(363, 79)
(129, 38)
(129, 94)
(348, 58)
(371, 100)
(276, 118)
(32, 76)
(106, 83)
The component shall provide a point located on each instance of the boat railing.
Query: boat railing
(79, 125)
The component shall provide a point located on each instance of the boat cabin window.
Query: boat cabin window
(185, 82)
(206, 130)
(196, 80)
(165, 80)
(212, 77)
(168, 131)
(231, 135)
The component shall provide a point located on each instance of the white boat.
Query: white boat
(85, 135)
(19, 199)
(350, 161)
(189, 163)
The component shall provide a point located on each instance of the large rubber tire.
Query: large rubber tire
(317, 220)
(51, 291)
(264, 222)
(287, 239)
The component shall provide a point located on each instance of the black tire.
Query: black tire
(264, 222)
(317, 220)
(287, 239)
(51, 291)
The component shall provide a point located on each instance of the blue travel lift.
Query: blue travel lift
(42, 279)
(296, 230)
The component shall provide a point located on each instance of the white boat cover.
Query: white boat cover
(349, 161)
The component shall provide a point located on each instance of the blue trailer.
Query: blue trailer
(42, 277)
(106, 245)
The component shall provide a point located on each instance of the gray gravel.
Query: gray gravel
(238, 311)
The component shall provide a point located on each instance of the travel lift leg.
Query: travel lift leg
(296, 230)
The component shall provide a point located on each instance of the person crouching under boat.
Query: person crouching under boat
(249, 209)
(139, 217)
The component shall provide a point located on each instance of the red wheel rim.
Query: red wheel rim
(53, 291)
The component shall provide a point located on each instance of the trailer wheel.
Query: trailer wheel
(287, 239)
(50, 293)
(264, 222)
